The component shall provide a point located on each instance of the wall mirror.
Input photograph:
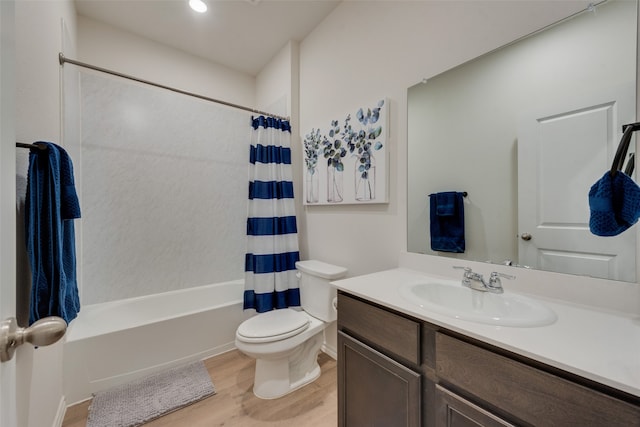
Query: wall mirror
(525, 131)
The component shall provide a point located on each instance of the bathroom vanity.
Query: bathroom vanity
(401, 365)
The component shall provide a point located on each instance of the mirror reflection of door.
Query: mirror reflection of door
(563, 146)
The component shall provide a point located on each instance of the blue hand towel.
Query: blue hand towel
(51, 205)
(446, 203)
(447, 222)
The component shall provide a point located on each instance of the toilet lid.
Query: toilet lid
(273, 326)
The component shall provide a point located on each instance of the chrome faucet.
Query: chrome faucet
(477, 282)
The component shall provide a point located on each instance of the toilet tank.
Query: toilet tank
(316, 292)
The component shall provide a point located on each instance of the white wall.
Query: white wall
(369, 50)
(275, 82)
(124, 52)
(39, 38)
(277, 92)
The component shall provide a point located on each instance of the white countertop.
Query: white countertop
(600, 345)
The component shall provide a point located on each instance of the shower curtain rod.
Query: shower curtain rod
(62, 59)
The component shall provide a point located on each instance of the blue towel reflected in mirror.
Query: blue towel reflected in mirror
(614, 203)
(447, 221)
(614, 200)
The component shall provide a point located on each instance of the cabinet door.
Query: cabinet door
(374, 390)
(455, 411)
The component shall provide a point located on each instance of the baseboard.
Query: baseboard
(332, 352)
(62, 409)
(118, 373)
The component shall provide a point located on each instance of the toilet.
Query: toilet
(286, 342)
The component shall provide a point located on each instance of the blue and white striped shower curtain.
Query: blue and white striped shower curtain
(272, 234)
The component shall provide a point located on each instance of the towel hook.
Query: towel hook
(623, 146)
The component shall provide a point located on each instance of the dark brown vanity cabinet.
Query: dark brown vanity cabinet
(380, 379)
(395, 370)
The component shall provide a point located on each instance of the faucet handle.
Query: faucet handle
(496, 276)
(495, 284)
(468, 276)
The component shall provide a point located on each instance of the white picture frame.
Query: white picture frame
(346, 161)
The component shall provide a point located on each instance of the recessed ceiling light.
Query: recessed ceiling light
(198, 5)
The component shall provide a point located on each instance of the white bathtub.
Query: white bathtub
(115, 342)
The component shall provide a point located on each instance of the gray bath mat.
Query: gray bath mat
(141, 401)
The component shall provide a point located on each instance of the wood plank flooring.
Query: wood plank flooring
(234, 404)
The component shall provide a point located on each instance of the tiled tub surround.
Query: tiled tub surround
(596, 336)
(164, 190)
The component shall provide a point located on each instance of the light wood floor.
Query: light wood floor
(234, 404)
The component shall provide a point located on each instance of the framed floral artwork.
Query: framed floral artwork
(346, 161)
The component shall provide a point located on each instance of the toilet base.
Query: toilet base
(278, 377)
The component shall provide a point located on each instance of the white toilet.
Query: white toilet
(286, 342)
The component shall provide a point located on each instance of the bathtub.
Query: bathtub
(116, 342)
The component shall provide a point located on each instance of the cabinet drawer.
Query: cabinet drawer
(384, 329)
(531, 395)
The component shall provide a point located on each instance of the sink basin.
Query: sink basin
(452, 299)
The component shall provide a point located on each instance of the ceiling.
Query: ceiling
(241, 34)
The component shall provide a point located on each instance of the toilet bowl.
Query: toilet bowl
(286, 342)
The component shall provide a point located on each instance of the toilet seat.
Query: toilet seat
(272, 326)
